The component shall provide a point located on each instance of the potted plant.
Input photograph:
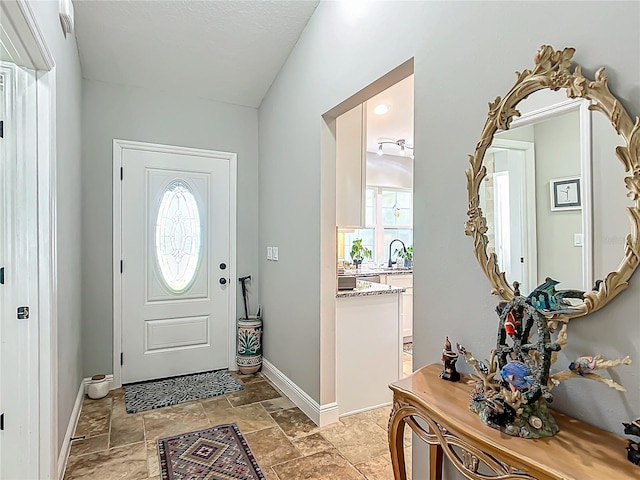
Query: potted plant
(406, 254)
(359, 252)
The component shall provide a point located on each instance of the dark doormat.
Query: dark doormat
(172, 391)
(218, 453)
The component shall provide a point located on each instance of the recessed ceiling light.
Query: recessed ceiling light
(381, 109)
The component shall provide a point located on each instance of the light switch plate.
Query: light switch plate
(275, 254)
(577, 239)
(269, 253)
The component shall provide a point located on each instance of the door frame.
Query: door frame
(33, 52)
(529, 180)
(232, 158)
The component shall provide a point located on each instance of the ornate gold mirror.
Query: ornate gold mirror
(554, 74)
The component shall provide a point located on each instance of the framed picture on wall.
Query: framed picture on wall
(566, 193)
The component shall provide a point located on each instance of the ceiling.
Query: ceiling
(229, 51)
(397, 123)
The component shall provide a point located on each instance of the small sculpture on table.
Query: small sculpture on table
(449, 358)
(633, 449)
(514, 385)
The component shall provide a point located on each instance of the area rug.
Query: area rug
(172, 391)
(408, 348)
(218, 453)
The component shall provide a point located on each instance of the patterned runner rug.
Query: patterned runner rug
(218, 453)
(174, 390)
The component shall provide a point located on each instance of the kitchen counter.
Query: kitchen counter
(368, 346)
(376, 271)
(369, 288)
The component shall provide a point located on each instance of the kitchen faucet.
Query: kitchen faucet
(403, 248)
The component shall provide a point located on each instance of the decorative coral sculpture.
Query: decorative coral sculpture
(515, 385)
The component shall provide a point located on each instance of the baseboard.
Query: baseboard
(362, 410)
(87, 381)
(329, 413)
(73, 421)
(320, 414)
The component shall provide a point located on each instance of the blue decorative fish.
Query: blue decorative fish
(546, 298)
(518, 375)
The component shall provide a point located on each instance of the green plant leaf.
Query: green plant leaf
(359, 251)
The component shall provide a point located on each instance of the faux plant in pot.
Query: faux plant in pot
(359, 252)
(406, 254)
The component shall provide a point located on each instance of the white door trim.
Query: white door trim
(529, 233)
(27, 34)
(48, 272)
(30, 39)
(118, 147)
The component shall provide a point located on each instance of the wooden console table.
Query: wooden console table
(579, 451)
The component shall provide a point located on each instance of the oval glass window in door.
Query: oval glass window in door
(178, 236)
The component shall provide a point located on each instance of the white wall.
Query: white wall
(465, 55)
(114, 111)
(558, 155)
(68, 130)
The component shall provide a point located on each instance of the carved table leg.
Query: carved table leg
(396, 444)
(435, 462)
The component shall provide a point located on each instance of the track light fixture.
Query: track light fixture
(402, 143)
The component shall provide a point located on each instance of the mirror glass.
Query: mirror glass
(534, 234)
(545, 187)
(553, 184)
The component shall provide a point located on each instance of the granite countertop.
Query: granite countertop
(376, 271)
(369, 288)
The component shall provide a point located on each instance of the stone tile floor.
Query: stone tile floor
(287, 444)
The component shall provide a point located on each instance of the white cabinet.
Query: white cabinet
(351, 161)
(368, 347)
(406, 281)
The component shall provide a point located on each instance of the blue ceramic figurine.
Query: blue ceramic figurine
(517, 375)
(547, 299)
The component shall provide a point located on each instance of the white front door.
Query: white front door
(19, 313)
(175, 235)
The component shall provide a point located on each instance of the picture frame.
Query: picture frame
(566, 193)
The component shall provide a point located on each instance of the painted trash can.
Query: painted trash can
(249, 351)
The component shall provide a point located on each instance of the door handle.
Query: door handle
(222, 280)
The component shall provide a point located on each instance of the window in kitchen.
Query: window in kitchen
(388, 215)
